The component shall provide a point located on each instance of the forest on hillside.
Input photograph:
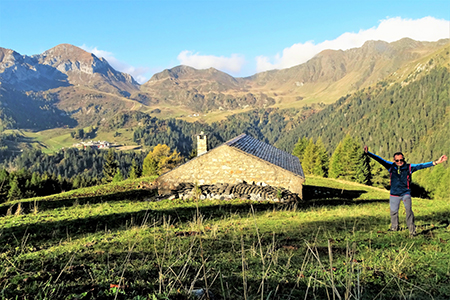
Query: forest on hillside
(411, 117)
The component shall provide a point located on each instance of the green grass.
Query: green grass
(52, 140)
(117, 241)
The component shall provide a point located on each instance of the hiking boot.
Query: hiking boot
(412, 233)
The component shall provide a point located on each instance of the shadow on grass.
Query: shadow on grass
(57, 202)
(319, 192)
(142, 271)
(319, 196)
(41, 234)
(142, 279)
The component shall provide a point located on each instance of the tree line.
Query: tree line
(349, 162)
(410, 117)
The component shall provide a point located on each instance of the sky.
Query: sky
(239, 37)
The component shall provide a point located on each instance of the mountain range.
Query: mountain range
(67, 86)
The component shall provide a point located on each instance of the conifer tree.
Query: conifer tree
(109, 166)
(118, 176)
(135, 171)
(351, 155)
(322, 161)
(379, 175)
(4, 184)
(300, 148)
(14, 190)
(150, 166)
(363, 172)
(336, 169)
(309, 157)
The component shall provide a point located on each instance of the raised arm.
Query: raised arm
(382, 161)
(416, 167)
(441, 159)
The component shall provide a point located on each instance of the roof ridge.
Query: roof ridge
(235, 139)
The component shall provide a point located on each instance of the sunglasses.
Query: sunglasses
(399, 160)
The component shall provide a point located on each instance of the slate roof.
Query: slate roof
(267, 152)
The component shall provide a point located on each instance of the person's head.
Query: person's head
(399, 158)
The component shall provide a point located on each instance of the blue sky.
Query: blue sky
(238, 37)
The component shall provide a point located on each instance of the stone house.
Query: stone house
(241, 159)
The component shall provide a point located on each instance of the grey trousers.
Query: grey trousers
(394, 203)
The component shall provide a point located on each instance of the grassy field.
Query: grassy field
(52, 140)
(118, 241)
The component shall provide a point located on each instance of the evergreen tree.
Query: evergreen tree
(350, 160)
(379, 175)
(150, 166)
(364, 172)
(118, 176)
(300, 148)
(135, 171)
(336, 168)
(309, 158)
(109, 166)
(322, 161)
(14, 190)
(4, 184)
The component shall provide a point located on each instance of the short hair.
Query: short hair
(398, 153)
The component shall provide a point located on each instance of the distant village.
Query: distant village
(93, 144)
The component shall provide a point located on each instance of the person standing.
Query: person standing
(400, 174)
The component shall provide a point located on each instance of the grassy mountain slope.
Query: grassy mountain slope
(200, 91)
(182, 91)
(407, 112)
(335, 73)
(114, 241)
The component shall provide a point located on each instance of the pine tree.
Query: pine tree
(150, 166)
(379, 175)
(351, 155)
(336, 168)
(4, 184)
(322, 161)
(109, 166)
(309, 157)
(135, 171)
(364, 172)
(14, 190)
(300, 148)
(118, 176)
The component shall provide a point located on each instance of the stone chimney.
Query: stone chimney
(202, 145)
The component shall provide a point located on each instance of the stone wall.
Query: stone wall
(226, 164)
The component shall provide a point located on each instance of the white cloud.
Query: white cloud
(136, 72)
(389, 30)
(231, 64)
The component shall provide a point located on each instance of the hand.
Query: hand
(441, 159)
(366, 149)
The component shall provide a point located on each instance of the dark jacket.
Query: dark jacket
(400, 179)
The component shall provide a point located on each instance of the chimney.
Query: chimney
(202, 145)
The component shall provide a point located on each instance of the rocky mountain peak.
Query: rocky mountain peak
(66, 58)
(59, 66)
(68, 52)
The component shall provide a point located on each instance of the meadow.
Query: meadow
(120, 241)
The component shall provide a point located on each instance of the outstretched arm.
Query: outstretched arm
(382, 161)
(441, 159)
(416, 167)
